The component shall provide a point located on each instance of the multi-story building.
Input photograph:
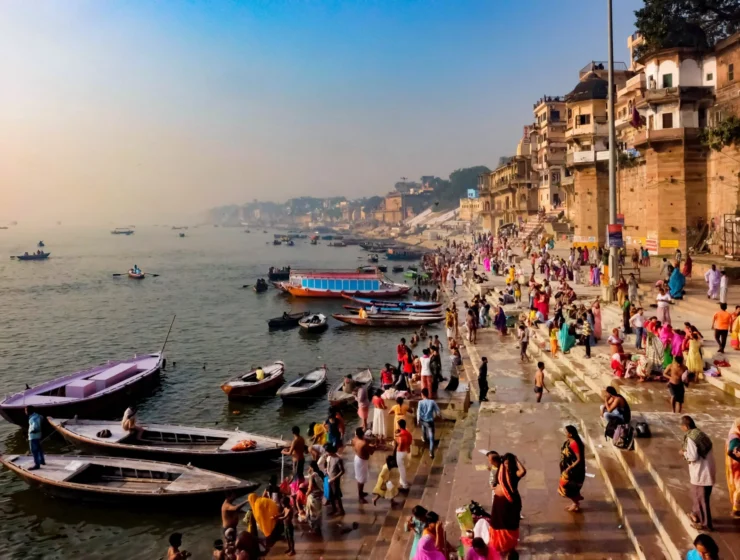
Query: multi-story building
(548, 150)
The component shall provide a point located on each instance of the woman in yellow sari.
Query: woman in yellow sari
(735, 330)
(264, 511)
(694, 361)
(732, 466)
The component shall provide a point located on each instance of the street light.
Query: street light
(612, 154)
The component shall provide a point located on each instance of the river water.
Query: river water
(68, 313)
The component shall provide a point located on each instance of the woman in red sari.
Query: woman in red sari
(507, 504)
(572, 468)
(687, 266)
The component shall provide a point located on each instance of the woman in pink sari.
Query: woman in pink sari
(732, 467)
(596, 308)
(426, 549)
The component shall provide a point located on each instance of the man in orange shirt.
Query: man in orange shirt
(403, 441)
(721, 324)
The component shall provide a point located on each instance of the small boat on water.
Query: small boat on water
(290, 243)
(113, 479)
(40, 244)
(389, 320)
(123, 231)
(398, 268)
(306, 385)
(337, 396)
(38, 256)
(389, 303)
(136, 275)
(382, 268)
(260, 286)
(314, 323)
(277, 242)
(287, 321)
(278, 273)
(355, 309)
(181, 234)
(203, 447)
(336, 244)
(246, 385)
(102, 391)
(372, 258)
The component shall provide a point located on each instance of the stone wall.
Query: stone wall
(723, 178)
(590, 212)
(632, 202)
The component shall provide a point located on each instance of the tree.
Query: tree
(686, 23)
(372, 203)
(449, 193)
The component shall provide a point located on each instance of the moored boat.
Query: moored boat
(114, 479)
(355, 309)
(398, 268)
(333, 283)
(314, 323)
(394, 254)
(287, 321)
(100, 392)
(246, 385)
(203, 447)
(337, 243)
(306, 385)
(389, 320)
(278, 273)
(277, 242)
(337, 395)
(389, 303)
(260, 286)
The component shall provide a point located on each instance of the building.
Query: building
(548, 150)
(470, 209)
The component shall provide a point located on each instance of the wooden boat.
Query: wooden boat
(336, 244)
(382, 268)
(305, 386)
(334, 283)
(123, 231)
(398, 268)
(278, 273)
(277, 242)
(203, 447)
(386, 320)
(372, 258)
(337, 396)
(136, 275)
(100, 392)
(246, 385)
(280, 287)
(260, 286)
(32, 256)
(314, 241)
(389, 303)
(355, 309)
(287, 321)
(114, 479)
(314, 323)
(181, 234)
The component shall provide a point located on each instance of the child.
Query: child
(218, 550)
(523, 341)
(388, 481)
(517, 292)
(539, 381)
(286, 516)
(553, 341)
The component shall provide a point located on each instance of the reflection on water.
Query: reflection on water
(69, 312)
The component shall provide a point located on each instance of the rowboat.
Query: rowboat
(260, 286)
(136, 275)
(314, 323)
(181, 234)
(337, 244)
(337, 396)
(123, 231)
(389, 303)
(355, 309)
(398, 268)
(306, 385)
(32, 256)
(389, 320)
(203, 447)
(288, 320)
(246, 384)
(114, 479)
(100, 392)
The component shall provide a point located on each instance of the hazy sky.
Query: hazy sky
(143, 111)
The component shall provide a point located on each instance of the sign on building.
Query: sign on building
(472, 193)
(651, 243)
(614, 235)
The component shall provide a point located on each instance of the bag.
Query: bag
(327, 491)
(642, 430)
(609, 430)
(624, 436)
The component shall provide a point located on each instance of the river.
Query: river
(68, 313)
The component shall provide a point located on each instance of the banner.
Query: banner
(614, 235)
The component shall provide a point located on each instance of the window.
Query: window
(570, 113)
(731, 72)
(710, 77)
(667, 120)
(583, 119)
(667, 80)
(555, 116)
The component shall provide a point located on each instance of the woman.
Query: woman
(621, 291)
(676, 284)
(507, 504)
(416, 523)
(704, 548)
(379, 416)
(633, 288)
(426, 550)
(388, 481)
(264, 511)
(694, 361)
(735, 329)
(626, 316)
(314, 492)
(470, 322)
(732, 467)
(572, 468)
(596, 308)
(687, 265)
(499, 321)
(615, 343)
(666, 337)
(664, 311)
(566, 338)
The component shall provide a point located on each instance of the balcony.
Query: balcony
(645, 136)
(676, 94)
(591, 129)
(586, 157)
(635, 83)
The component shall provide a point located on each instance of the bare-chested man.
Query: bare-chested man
(230, 512)
(297, 450)
(363, 450)
(675, 374)
(539, 381)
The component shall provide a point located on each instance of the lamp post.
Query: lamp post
(612, 154)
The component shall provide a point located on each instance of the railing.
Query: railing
(664, 135)
(592, 129)
(586, 157)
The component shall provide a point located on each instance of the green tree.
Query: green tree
(686, 23)
(449, 193)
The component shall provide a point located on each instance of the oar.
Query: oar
(151, 274)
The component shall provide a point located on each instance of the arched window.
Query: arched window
(487, 206)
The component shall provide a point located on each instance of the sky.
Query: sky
(141, 111)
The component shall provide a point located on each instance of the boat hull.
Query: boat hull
(388, 320)
(300, 291)
(135, 276)
(265, 387)
(380, 303)
(338, 398)
(41, 257)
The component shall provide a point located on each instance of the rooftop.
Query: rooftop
(591, 86)
(601, 65)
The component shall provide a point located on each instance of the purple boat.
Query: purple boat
(100, 392)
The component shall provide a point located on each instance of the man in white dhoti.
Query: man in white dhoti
(713, 279)
(723, 281)
(363, 450)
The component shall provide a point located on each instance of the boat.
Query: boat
(99, 392)
(40, 256)
(115, 479)
(280, 287)
(398, 268)
(202, 447)
(337, 396)
(394, 254)
(246, 384)
(277, 242)
(136, 275)
(40, 244)
(373, 258)
(336, 244)
(368, 269)
(247, 231)
(382, 268)
(305, 386)
(377, 246)
(181, 234)
(260, 286)
(264, 231)
(123, 231)
(278, 273)
(414, 274)
(333, 283)
(387, 320)
(389, 303)
(355, 309)
(314, 323)
(288, 320)
(314, 241)
(290, 243)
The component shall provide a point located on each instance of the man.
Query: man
(426, 411)
(363, 405)
(664, 272)
(297, 450)
(129, 423)
(35, 421)
(697, 450)
(713, 278)
(335, 471)
(386, 377)
(539, 381)
(638, 323)
(348, 385)
(401, 351)
(402, 439)
(426, 370)
(723, 281)
(523, 336)
(721, 323)
(483, 379)
(675, 374)
(363, 450)
(230, 512)
(449, 324)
